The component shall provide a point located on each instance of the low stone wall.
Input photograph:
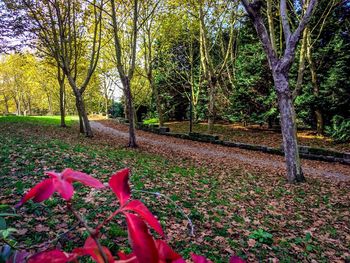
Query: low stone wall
(305, 152)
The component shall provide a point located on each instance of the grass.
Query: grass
(229, 207)
(42, 120)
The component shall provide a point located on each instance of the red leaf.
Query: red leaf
(72, 176)
(166, 254)
(236, 259)
(53, 256)
(142, 242)
(90, 248)
(39, 193)
(200, 259)
(130, 258)
(120, 186)
(139, 208)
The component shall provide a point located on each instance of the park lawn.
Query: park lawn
(42, 120)
(255, 134)
(253, 214)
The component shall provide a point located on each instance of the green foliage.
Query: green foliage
(116, 110)
(340, 129)
(262, 236)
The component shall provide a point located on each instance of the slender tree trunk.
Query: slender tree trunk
(19, 110)
(316, 89)
(271, 24)
(29, 106)
(157, 97)
(288, 126)
(85, 126)
(159, 107)
(211, 106)
(301, 69)
(49, 101)
(106, 106)
(130, 108)
(6, 100)
(60, 78)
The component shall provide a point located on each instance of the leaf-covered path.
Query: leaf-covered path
(215, 153)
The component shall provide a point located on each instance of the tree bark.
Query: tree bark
(288, 126)
(60, 79)
(6, 100)
(130, 108)
(85, 126)
(280, 68)
(211, 105)
(271, 24)
(302, 60)
(316, 88)
(158, 103)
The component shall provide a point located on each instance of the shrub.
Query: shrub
(340, 129)
(145, 248)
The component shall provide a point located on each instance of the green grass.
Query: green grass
(40, 120)
(228, 207)
(151, 121)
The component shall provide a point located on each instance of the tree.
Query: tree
(280, 70)
(126, 69)
(211, 71)
(150, 15)
(68, 31)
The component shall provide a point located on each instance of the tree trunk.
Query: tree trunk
(62, 98)
(130, 108)
(49, 101)
(84, 121)
(106, 105)
(159, 108)
(288, 126)
(301, 68)
(6, 100)
(316, 89)
(211, 106)
(157, 97)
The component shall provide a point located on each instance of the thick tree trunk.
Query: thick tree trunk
(130, 109)
(6, 100)
(289, 132)
(83, 118)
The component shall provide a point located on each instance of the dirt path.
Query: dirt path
(220, 153)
